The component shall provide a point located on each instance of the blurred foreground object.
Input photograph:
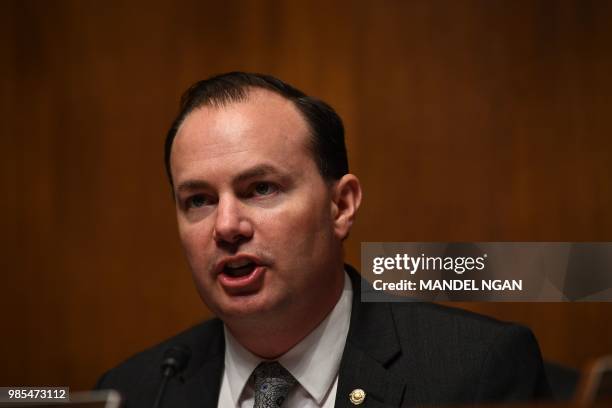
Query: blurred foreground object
(596, 383)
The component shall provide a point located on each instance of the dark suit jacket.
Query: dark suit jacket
(400, 354)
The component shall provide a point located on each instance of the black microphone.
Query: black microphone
(175, 360)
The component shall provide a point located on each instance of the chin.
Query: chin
(245, 307)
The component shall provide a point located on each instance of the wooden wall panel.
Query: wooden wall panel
(466, 120)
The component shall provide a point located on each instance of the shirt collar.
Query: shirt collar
(314, 361)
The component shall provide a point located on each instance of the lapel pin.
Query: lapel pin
(357, 396)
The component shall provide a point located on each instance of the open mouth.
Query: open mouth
(239, 268)
(241, 275)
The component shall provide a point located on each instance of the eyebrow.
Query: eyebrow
(259, 170)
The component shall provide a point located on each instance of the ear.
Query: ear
(346, 198)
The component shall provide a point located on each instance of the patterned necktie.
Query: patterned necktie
(272, 385)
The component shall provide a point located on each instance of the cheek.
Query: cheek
(300, 230)
(195, 241)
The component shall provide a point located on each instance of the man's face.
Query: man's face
(255, 216)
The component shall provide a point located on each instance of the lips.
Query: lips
(240, 274)
(241, 267)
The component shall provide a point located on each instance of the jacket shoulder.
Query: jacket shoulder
(451, 320)
(477, 358)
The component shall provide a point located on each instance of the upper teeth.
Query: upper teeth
(239, 263)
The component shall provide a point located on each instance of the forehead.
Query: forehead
(265, 127)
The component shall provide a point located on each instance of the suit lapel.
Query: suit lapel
(371, 347)
(202, 390)
(201, 382)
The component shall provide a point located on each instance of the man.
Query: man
(264, 201)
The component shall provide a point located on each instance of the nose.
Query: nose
(232, 226)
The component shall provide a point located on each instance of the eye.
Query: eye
(264, 188)
(196, 201)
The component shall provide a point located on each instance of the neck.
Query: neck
(272, 336)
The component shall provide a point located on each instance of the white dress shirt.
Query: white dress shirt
(314, 362)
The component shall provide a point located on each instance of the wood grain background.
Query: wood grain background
(466, 120)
